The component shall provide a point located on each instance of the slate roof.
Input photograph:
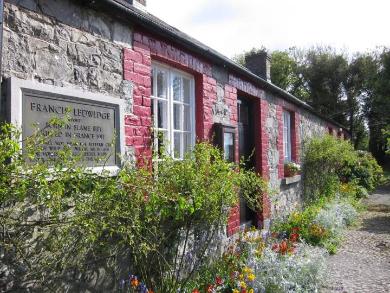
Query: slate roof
(127, 12)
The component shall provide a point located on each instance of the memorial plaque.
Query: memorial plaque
(90, 129)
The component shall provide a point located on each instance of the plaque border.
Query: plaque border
(16, 87)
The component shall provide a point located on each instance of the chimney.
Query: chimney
(140, 4)
(259, 63)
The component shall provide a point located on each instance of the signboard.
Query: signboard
(93, 125)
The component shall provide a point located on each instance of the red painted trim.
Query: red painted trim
(279, 117)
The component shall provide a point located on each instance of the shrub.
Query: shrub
(329, 161)
(302, 271)
(365, 171)
(323, 157)
(65, 221)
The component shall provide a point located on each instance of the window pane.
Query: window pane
(287, 136)
(177, 145)
(162, 120)
(186, 90)
(177, 116)
(187, 118)
(177, 88)
(228, 146)
(161, 84)
(187, 142)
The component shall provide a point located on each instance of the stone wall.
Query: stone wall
(63, 44)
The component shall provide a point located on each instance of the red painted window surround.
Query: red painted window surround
(261, 138)
(295, 138)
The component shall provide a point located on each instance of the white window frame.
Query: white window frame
(170, 73)
(287, 136)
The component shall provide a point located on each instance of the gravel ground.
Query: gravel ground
(362, 263)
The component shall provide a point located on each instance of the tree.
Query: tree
(286, 74)
(377, 104)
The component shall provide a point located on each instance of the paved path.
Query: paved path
(362, 263)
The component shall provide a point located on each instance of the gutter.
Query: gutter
(123, 9)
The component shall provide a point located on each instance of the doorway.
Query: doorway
(246, 148)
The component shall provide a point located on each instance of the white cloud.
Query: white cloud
(233, 26)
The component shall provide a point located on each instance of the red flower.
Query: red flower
(275, 247)
(209, 288)
(295, 229)
(195, 291)
(294, 237)
(291, 250)
(283, 247)
(243, 290)
(218, 281)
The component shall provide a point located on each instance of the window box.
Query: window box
(292, 180)
(291, 169)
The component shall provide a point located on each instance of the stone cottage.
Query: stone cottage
(126, 70)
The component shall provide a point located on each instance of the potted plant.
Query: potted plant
(291, 169)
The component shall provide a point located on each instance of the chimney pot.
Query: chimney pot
(259, 63)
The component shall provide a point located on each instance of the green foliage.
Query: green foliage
(377, 103)
(252, 189)
(365, 171)
(330, 161)
(321, 223)
(62, 219)
(386, 133)
(323, 158)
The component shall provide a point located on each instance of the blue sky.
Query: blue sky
(234, 26)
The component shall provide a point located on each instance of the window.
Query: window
(173, 111)
(287, 136)
(225, 139)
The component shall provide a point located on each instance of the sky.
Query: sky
(234, 26)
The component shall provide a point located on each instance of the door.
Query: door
(246, 148)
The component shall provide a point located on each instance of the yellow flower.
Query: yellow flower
(247, 270)
(241, 277)
(251, 277)
(236, 291)
(243, 285)
(251, 291)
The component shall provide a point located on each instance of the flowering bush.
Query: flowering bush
(276, 264)
(301, 271)
(132, 284)
(320, 223)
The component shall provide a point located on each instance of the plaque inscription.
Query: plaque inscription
(90, 129)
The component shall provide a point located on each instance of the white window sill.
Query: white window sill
(291, 180)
